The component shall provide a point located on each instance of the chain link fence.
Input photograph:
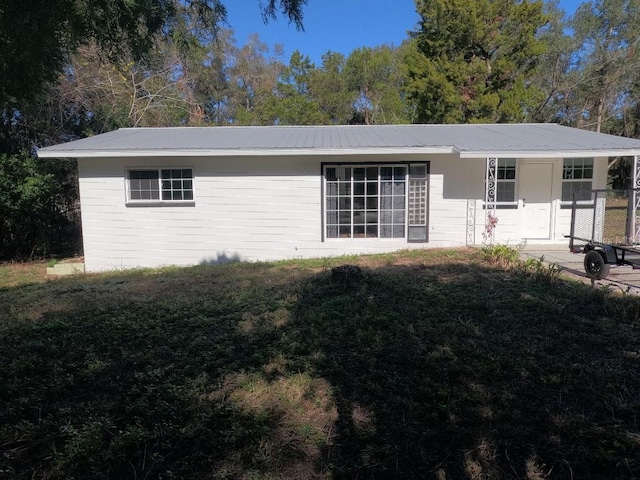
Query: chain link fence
(607, 217)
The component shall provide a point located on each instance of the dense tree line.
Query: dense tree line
(111, 64)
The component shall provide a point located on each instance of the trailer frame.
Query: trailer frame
(601, 254)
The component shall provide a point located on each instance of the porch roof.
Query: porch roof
(468, 141)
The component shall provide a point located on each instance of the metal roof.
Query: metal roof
(469, 141)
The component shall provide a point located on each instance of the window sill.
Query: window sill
(187, 203)
(372, 239)
(366, 239)
(504, 206)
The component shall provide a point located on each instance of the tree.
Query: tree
(37, 207)
(329, 88)
(556, 75)
(292, 102)
(608, 62)
(628, 121)
(209, 82)
(30, 61)
(254, 78)
(376, 77)
(95, 95)
(470, 60)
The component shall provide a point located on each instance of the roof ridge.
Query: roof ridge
(387, 125)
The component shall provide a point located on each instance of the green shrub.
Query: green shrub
(502, 255)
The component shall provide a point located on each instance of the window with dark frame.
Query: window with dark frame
(376, 201)
(577, 179)
(417, 203)
(160, 185)
(506, 181)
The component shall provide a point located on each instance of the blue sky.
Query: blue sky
(336, 25)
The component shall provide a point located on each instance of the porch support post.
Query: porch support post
(490, 199)
(636, 198)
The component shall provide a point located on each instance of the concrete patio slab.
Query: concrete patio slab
(65, 268)
(624, 278)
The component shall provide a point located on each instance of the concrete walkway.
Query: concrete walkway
(624, 278)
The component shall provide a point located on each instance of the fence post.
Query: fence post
(630, 228)
(572, 232)
(594, 199)
(635, 198)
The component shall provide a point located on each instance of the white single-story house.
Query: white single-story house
(183, 196)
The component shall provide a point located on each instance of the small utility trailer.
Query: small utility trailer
(605, 226)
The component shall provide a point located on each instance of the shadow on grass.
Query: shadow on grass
(470, 373)
(422, 370)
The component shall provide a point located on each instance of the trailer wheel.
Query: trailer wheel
(595, 265)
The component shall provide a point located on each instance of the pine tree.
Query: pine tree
(470, 60)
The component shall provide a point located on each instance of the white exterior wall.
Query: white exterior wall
(510, 229)
(245, 208)
(268, 208)
(453, 184)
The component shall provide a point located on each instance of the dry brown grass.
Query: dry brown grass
(301, 412)
(21, 273)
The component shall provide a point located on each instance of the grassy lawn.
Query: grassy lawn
(16, 274)
(434, 364)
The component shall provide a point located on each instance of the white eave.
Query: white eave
(332, 152)
(245, 153)
(551, 154)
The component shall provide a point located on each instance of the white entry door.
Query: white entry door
(536, 180)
